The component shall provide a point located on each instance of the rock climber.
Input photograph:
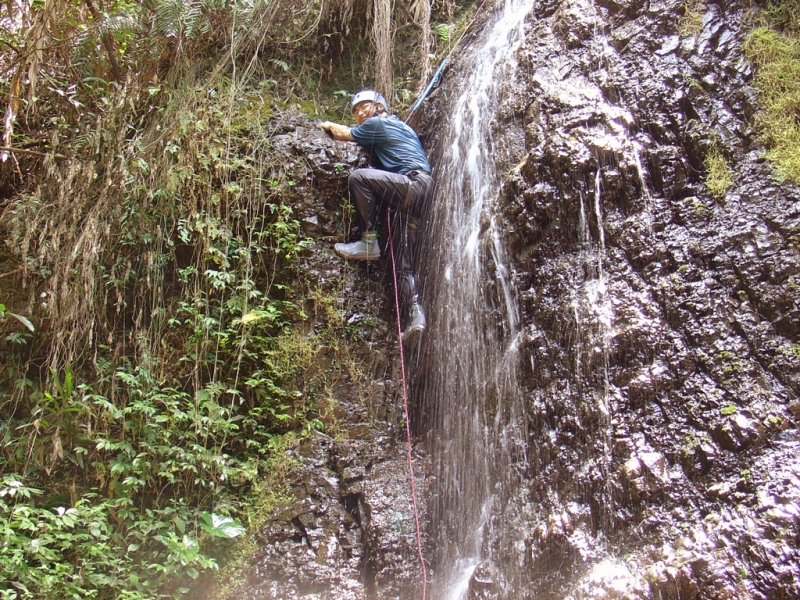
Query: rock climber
(401, 181)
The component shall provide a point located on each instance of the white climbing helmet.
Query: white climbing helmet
(368, 96)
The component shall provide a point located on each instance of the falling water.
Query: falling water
(474, 313)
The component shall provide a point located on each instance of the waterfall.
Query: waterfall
(474, 331)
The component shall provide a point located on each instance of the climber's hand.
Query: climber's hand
(336, 131)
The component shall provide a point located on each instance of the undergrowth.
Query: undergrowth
(165, 264)
(774, 47)
(139, 423)
(165, 365)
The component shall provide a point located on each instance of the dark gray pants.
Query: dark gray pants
(372, 191)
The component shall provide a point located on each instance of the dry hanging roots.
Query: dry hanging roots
(382, 38)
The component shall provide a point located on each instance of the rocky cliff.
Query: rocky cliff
(346, 528)
(659, 323)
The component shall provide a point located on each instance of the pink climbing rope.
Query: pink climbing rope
(405, 407)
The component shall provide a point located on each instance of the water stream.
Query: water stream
(474, 311)
(563, 281)
(480, 419)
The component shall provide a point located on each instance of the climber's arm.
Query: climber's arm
(338, 132)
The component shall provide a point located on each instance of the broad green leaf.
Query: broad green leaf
(220, 526)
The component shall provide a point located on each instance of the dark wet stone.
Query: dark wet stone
(573, 23)
(351, 474)
(486, 581)
(794, 409)
(360, 432)
(737, 432)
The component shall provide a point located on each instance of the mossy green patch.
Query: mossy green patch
(691, 23)
(776, 55)
(719, 175)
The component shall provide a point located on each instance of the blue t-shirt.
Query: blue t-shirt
(395, 144)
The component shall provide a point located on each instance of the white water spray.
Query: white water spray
(474, 311)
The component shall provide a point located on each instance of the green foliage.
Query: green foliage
(784, 15)
(156, 455)
(776, 54)
(129, 465)
(266, 494)
(5, 314)
(444, 32)
(182, 19)
(94, 548)
(220, 526)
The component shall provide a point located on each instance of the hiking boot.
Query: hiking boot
(367, 248)
(413, 332)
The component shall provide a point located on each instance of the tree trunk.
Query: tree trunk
(423, 19)
(107, 43)
(382, 38)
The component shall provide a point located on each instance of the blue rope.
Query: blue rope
(428, 89)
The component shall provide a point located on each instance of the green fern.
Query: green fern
(121, 27)
(168, 18)
(195, 23)
(443, 32)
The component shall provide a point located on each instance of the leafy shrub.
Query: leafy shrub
(124, 464)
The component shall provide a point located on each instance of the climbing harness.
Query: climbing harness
(405, 408)
(442, 66)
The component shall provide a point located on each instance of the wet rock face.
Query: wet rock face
(326, 165)
(660, 324)
(349, 533)
(346, 531)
